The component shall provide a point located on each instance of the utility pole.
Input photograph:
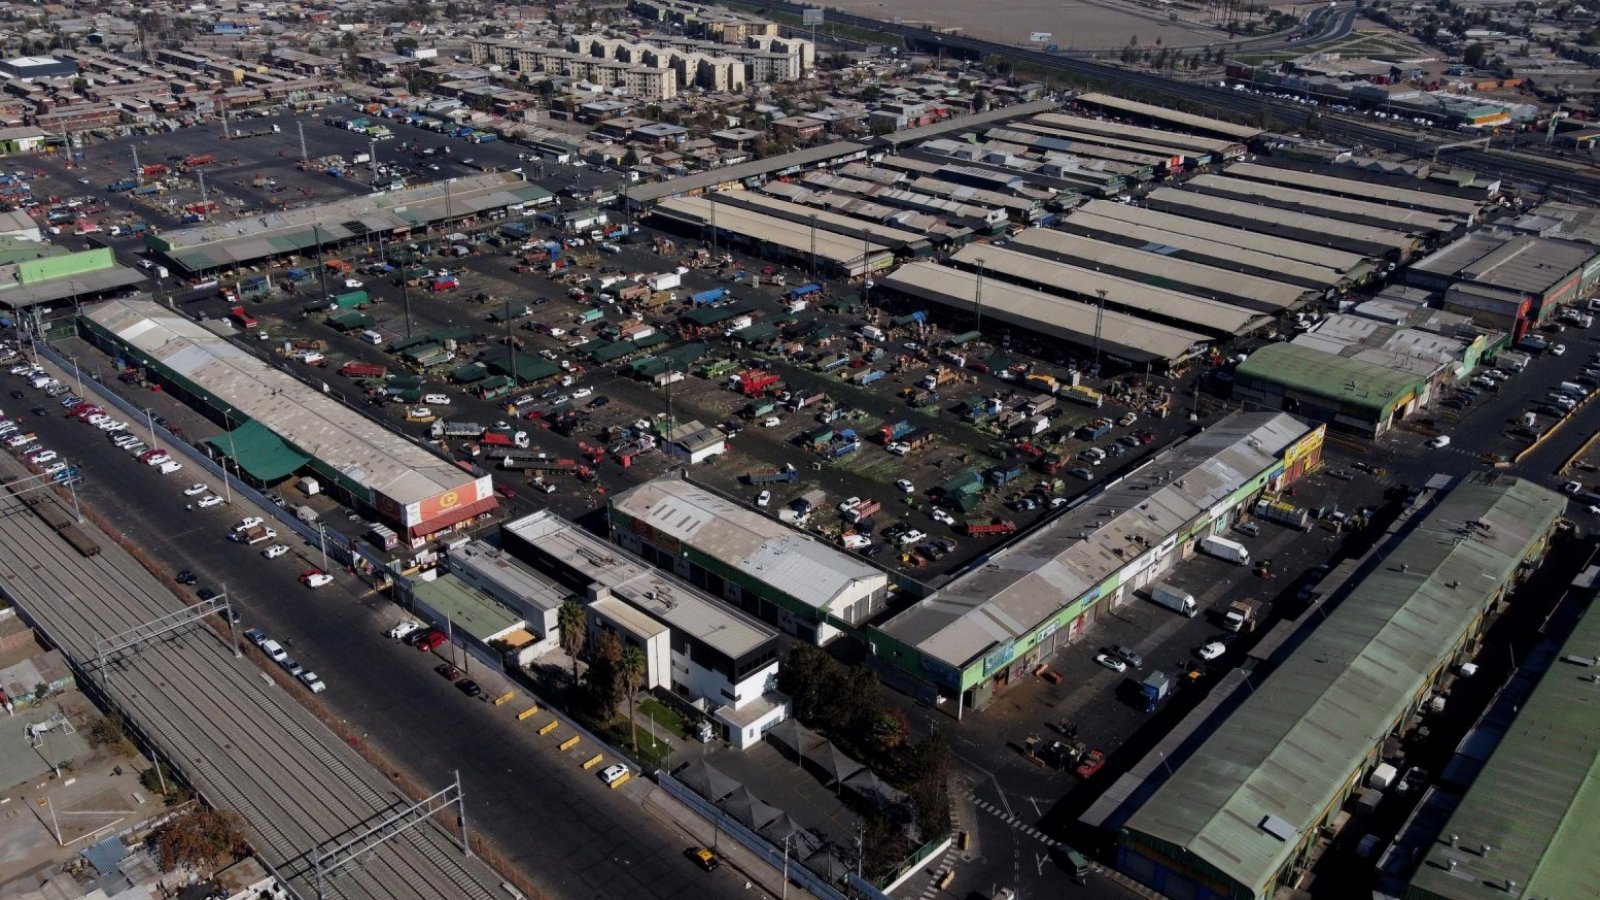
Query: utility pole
(977, 298)
(301, 127)
(511, 348)
(204, 208)
(1099, 314)
(136, 170)
(711, 198)
(866, 272)
(322, 270)
(813, 248)
(372, 157)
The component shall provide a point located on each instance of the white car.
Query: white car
(209, 501)
(275, 551)
(97, 418)
(112, 425)
(1111, 662)
(403, 628)
(55, 467)
(911, 537)
(763, 498)
(613, 774)
(42, 457)
(18, 440)
(353, 283)
(312, 681)
(248, 522)
(1441, 441)
(318, 579)
(905, 486)
(1558, 349)
(856, 541)
(847, 505)
(1212, 650)
(942, 517)
(581, 393)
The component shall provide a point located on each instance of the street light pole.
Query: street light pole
(1099, 314)
(977, 298)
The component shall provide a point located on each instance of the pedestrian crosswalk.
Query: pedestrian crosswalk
(941, 870)
(1015, 822)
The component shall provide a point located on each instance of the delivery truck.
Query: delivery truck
(1224, 549)
(1175, 599)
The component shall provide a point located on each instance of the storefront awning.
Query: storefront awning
(256, 449)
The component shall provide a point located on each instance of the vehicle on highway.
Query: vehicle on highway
(275, 551)
(402, 628)
(313, 682)
(1212, 650)
(1111, 662)
(615, 775)
(209, 501)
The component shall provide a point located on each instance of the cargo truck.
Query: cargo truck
(771, 476)
(254, 535)
(996, 527)
(363, 370)
(455, 429)
(863, 510)
(1154, 689)
(1087, 396)
(1283, 513)
(1224, 549)
(1241, 615)
(701, 298)
(1179, 601)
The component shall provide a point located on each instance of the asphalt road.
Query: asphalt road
(558, 824)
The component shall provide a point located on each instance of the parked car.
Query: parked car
(431, 641)
(614, 775)
(1127, 655)
(1111, 662)
(402, 628)
(1092, 762)
(313, 682)
(209, 501)
(1211, 651)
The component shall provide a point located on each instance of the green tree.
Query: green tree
(603, 681)
(804, 677)
(574, 625)
(199, 839)
(1474, 55)
(630, 668)
(930, 792)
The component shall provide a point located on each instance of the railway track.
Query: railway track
(229, 729)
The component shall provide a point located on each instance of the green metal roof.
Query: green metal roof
(523, 367)
(350, 320)
(1537, 799)
(468, 373)
(258, 451)
(1296, 743)
(711, 315)
(1350, 382)
(469, 610)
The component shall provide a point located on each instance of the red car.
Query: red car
(505, 491)
(1091, 763)
(431, 641)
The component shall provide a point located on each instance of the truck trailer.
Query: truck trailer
(1175, 599)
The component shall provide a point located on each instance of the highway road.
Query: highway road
(1575, 180)
(240, 741)
(553, 822)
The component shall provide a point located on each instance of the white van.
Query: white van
(436, 399)
(274, 651)
(170, 466)
(39, 381)
(372, 337)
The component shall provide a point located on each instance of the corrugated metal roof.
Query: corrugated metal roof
(1341, 261)
(791, 562)
(700, 181)
(310, 422)
(679, 605)
(1314, 203)
(1293, 746)
(1268, 219)
(1441, 203)
(1188, 120)
(1537, 800)
(1040, 575)
(796, 237)
(1343, 380)
(1124, 335)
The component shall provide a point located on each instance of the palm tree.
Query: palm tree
(574, 632)
(631, 669)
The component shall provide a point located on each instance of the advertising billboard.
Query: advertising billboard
(446, 502)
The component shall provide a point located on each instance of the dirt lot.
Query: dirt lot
(1075, 24)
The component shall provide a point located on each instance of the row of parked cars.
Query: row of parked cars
(277, 654)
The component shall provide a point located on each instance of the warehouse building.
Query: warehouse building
(1169, 160)
(1249, 808)
(1161, 271)
(52, 276)
(1525, 827)
(1308, 263)
(747, 174)
(1202, 150)
(1161, 115)
(1385, 192)
(904, 243)
(1351, 395)
(1370, 241)
(989, 627)
(1429, 225)
(773, 238)
(500, 576)
(781, 576)
(391, 215)
(278, 427)
(718, 659)
(1132, 340)
(1169, 307)
(1547, 272)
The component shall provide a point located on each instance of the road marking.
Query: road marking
(1015, 823)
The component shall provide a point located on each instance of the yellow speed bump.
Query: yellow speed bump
(570, 742)
(593, 761)
(550, 726)
(527, 713)
(507, 697)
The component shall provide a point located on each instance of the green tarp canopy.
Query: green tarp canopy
(418, 352)
(406, 344)
(711, 315)
(755, 334)
(255, 449)
(651, 366)
(468, 373)
(506, 314)
(652, 340)
(525, 368)
(350, 320)
(613, 352)
(844, 303)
